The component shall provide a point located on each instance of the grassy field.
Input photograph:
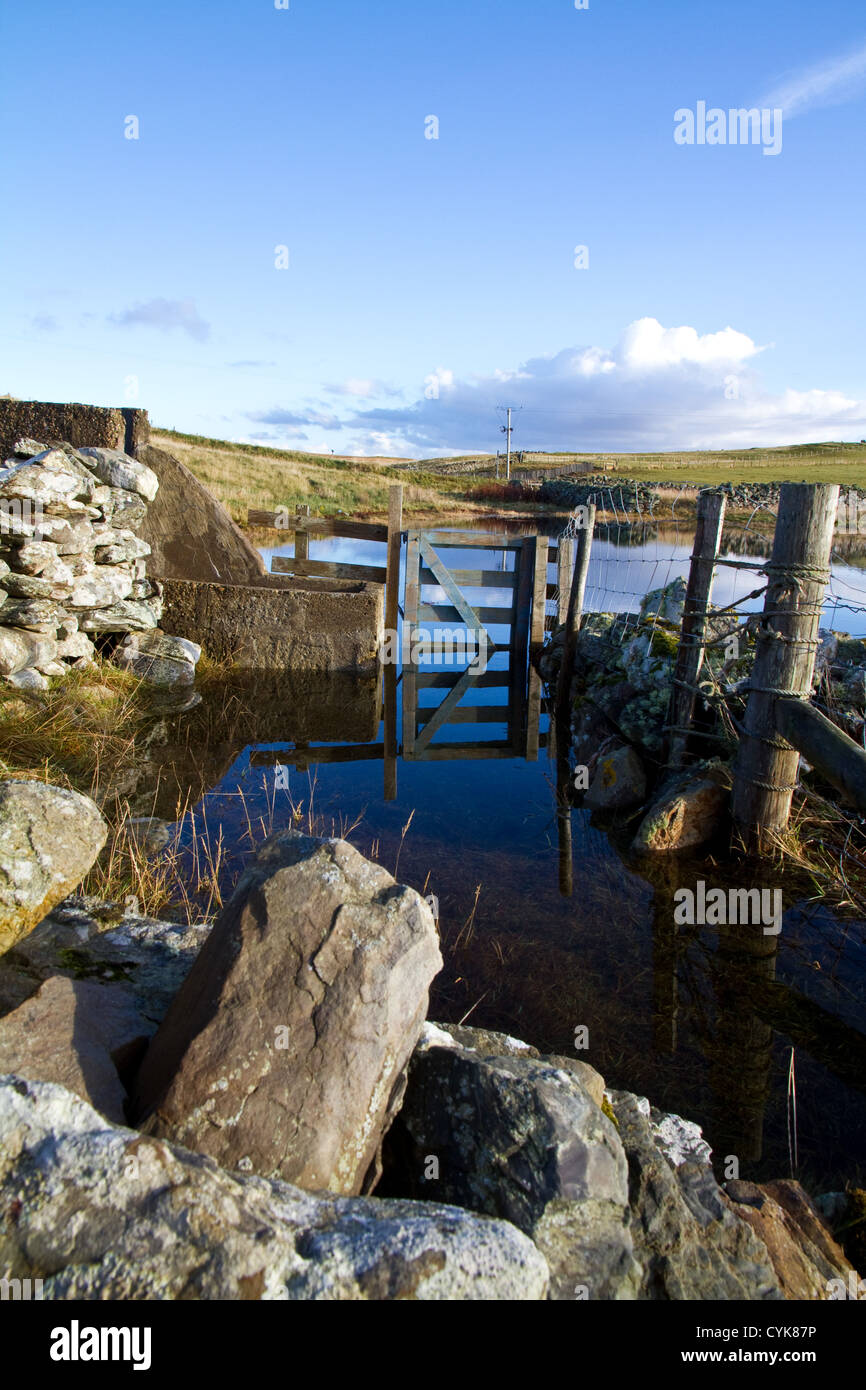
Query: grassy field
(245, 475)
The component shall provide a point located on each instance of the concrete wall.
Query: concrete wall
(280, 624)
(94, 426)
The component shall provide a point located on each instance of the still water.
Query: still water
(704, 1021)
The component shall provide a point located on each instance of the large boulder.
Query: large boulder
(49, 839)
(285, 1048)
(82, 1035)
(100, 1212)
(506, 1132)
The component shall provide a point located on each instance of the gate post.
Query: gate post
(690, 657)
(766, 766)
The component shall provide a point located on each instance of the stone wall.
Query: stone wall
(279, 623)
(80, 425)
(71, 564)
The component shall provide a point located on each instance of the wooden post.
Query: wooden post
(766, 766)
(410, 619)
(825, 747)
(395, 541)
(389, 676)
(574, 613)
(539, 596)
(517, 698)
(565, 563)
(302, 538)
(690, 658)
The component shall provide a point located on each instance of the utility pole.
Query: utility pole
(506, 430)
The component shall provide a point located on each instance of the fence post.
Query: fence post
(575, 606)
(395, 540)
(766, 767)
(565, 561)
(302, 539)
(539, 596)
(690, 657)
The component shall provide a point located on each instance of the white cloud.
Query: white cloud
(166, 314)
(658, 388)
(828, 83)
(364, 387)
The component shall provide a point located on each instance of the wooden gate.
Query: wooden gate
(524, 586)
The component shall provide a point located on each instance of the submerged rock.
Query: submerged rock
(100, 1212)
(684, 817)
(284, 1051)
(49, 839)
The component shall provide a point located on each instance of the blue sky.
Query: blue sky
(431, 281)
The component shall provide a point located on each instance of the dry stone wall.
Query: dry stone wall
(72, 566)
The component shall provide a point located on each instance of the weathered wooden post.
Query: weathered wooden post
(574, 613)
(392, 609)
(766, 768)
(690, 657)
(565, 563)
(539, 595)
(302, 539)
(395, 541)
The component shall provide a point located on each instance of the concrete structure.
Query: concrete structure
(281, 624)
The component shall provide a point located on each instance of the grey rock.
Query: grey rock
(124, 509)
(101, 588)
(117, 470)
(34, 556)
(28, 679)
(125, 547)
(519, 1137)
(105, 943)
(20, 650)
(619, 783)
(160, 644)
(686, 1237)
(288, 1041)
(127, 615)
(687, 815)
(32, 614)
(101, 1212)
(49, 839)
(80, 1035)
(27, 448)
(34, 586)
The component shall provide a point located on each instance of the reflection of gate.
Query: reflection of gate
(512, 599)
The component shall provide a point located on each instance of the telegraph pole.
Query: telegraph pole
(506, 430)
